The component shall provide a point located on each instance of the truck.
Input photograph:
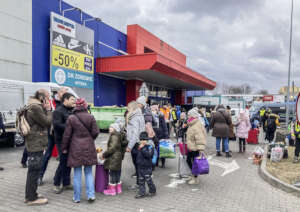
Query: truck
(14, 95)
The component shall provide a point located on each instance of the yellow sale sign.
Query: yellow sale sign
(69, 59)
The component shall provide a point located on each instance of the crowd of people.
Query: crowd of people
(67, 124)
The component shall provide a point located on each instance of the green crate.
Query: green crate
(105, 116)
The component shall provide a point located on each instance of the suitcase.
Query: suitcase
(253, 136)
(101, 179)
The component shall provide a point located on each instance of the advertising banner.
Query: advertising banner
(72, 55)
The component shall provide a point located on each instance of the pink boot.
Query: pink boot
(119, 188)
(111, 190)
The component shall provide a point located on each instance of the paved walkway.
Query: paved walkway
(239, 191)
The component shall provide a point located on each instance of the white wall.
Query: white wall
(16, 39)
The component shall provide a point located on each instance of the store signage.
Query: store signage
(72, 44)
(298, 108)
(63, 25)
(72, 53)
(71, 60)
(72, 78)
(268, 98)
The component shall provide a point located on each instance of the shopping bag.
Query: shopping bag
(166, 149)
(183, 148)
(200, 166)
(101, 179)
(276, 154)
(183, 167)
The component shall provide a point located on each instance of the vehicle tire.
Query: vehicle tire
(18, 140)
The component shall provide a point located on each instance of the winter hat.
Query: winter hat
(193, 113)
(115, 126)
(142, 100)
(144, 136)
(81, 103)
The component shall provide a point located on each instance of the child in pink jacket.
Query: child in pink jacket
(242, 129)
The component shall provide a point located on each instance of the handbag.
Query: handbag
(200, 166)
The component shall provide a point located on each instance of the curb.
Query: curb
(273, 180)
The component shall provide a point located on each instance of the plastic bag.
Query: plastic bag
(183, 167)
(276, 154)
(166, 149)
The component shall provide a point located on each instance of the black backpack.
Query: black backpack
(271, 125)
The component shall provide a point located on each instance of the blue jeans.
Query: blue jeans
(218, 142)
(89, 182)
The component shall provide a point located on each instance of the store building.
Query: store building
(124, 65)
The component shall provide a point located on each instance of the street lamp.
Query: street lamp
(289, 72)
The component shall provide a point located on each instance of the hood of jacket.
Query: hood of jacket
(136, 112)
(33, 101)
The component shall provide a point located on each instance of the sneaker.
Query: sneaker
(38, 201)
(40, 181)
(68, 187)
(134, 175)
(1, 168)
(139, 196)
(76, 201)
(296, 160)
(39, 197)
(151, 194)
(91, 200)
(24, 165)
(57, 189)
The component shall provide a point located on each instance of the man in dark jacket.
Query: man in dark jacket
(39, 119)
(144, 166)
(51, 143)
(220, 122)
(60, 116)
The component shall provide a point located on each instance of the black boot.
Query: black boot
(219, 154)
(228, 155)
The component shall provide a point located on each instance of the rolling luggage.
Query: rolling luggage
(253, 136)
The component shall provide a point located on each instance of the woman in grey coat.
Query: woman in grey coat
(135, 124)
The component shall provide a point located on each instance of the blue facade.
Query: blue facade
(107, 90)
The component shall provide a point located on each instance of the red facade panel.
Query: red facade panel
(132, 90)
(138, 39)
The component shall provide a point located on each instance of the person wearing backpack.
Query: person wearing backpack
(113, 157)
(39, 118)
(51, 142)
(271, 124)
(79, 145)
(60, 117)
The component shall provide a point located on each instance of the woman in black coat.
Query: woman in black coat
(160, 128)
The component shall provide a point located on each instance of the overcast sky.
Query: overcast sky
(229, 41)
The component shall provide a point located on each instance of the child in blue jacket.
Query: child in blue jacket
(144, 166)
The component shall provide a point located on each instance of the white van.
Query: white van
(14, 95)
